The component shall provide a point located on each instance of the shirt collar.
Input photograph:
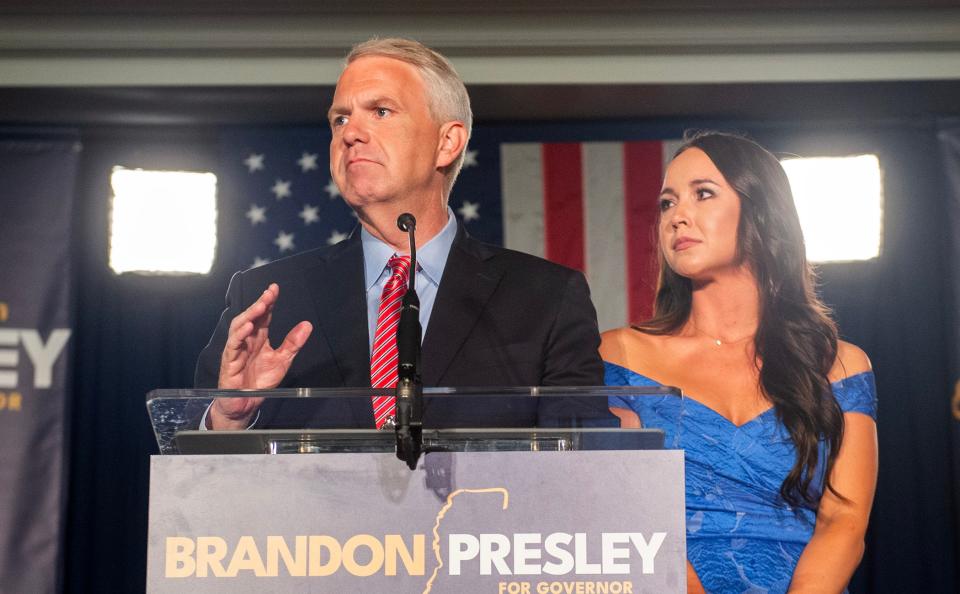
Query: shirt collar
(431, 257)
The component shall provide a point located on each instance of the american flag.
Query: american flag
(588, 205)
(277, 197)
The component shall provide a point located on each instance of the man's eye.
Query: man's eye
(338, 121)
(382, 112)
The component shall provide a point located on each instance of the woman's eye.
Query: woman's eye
(665, 204)
(703, 194)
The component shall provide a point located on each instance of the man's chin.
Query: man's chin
(359, 198)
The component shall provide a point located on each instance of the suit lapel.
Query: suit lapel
(467, 284)
(337, 286)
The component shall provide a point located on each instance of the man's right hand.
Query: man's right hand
(250, 363)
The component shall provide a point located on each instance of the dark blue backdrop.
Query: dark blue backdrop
(136, 333)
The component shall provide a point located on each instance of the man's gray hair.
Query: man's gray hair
(446, 92)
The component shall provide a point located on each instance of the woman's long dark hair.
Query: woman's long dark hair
(796, 341)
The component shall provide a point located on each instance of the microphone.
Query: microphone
(409, 392)
(406, 222)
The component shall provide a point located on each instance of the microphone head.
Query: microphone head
(406, 222)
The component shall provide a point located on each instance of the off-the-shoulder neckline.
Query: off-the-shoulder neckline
(753, 419)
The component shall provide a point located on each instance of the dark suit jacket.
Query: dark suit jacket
(500, 318)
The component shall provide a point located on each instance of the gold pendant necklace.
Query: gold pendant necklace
(718, 342)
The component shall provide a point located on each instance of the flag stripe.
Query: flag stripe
(604, 200)
(563, 204)
(522, 188)
(643, 170)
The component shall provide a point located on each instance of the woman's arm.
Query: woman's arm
(613, 350)
(628, 418)
(693, 581)
(832, 555)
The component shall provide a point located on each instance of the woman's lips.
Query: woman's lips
(682, 243)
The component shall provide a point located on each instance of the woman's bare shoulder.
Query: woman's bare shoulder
(626, 346)
(850, 361)
(613, 344)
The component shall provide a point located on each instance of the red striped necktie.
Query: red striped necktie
(383, 359)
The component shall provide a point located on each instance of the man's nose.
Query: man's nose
(353, 132)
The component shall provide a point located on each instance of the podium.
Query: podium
(573, 505)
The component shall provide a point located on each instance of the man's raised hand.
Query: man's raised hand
(249, 362)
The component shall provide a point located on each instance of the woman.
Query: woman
(778, 416)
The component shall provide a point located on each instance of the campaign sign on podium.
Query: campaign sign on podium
(601, 521)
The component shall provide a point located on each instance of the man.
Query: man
(401, 120)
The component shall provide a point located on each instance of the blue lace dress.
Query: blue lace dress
(741, 536)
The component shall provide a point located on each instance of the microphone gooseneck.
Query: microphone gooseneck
(408, 224)
(409, 392)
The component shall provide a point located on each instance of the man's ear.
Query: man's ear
(453, 141)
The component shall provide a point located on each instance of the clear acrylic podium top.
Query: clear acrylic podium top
(321, 420)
